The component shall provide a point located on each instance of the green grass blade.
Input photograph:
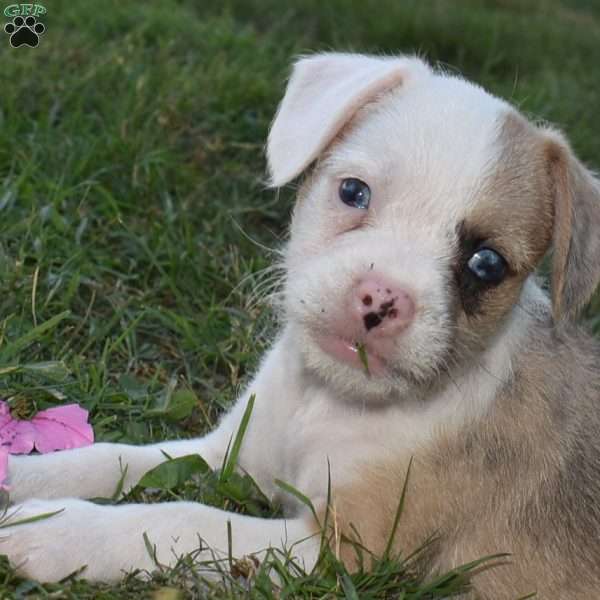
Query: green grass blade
(363, 356)
(290, 489)
(399, 511)
(34, 519)
(14, 348)
(232, 459)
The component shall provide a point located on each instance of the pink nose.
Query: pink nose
(383, 307)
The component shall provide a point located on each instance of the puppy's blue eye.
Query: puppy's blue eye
(487, 265)
(355, 193)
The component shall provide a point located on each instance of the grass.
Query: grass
(133, 212)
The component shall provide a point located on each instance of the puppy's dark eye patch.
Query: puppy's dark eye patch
(477, 268)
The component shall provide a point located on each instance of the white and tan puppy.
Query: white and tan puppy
(426, 208)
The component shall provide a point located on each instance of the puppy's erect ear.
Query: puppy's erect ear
(576, 257)
(323, 94)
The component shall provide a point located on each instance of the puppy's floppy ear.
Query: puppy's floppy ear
(323, 94)
(576, 257)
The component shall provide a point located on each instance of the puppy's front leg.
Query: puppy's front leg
(95, 471)
(109, 540)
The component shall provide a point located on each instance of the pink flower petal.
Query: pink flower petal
(16, 437)
(69, 414)
(3, 469)
(62, 427)
(56, 428)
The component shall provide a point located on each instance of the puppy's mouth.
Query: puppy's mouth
(354, 354)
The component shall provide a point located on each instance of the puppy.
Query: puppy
(413, 330)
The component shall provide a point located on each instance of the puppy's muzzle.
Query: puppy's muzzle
(376, 311)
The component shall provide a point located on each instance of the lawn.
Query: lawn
(135, 223)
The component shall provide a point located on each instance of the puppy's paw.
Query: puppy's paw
(69, 536)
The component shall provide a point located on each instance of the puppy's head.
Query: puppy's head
(429, 204)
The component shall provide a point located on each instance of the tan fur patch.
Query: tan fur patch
(513, 214)
(563, 224)
(576, 259)
(515, 204)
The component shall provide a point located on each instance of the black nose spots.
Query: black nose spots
(373, 319)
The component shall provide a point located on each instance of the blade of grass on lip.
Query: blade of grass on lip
(362, 355)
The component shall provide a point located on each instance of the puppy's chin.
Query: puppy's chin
(348, 375)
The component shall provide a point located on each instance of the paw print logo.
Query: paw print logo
(24, 31)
